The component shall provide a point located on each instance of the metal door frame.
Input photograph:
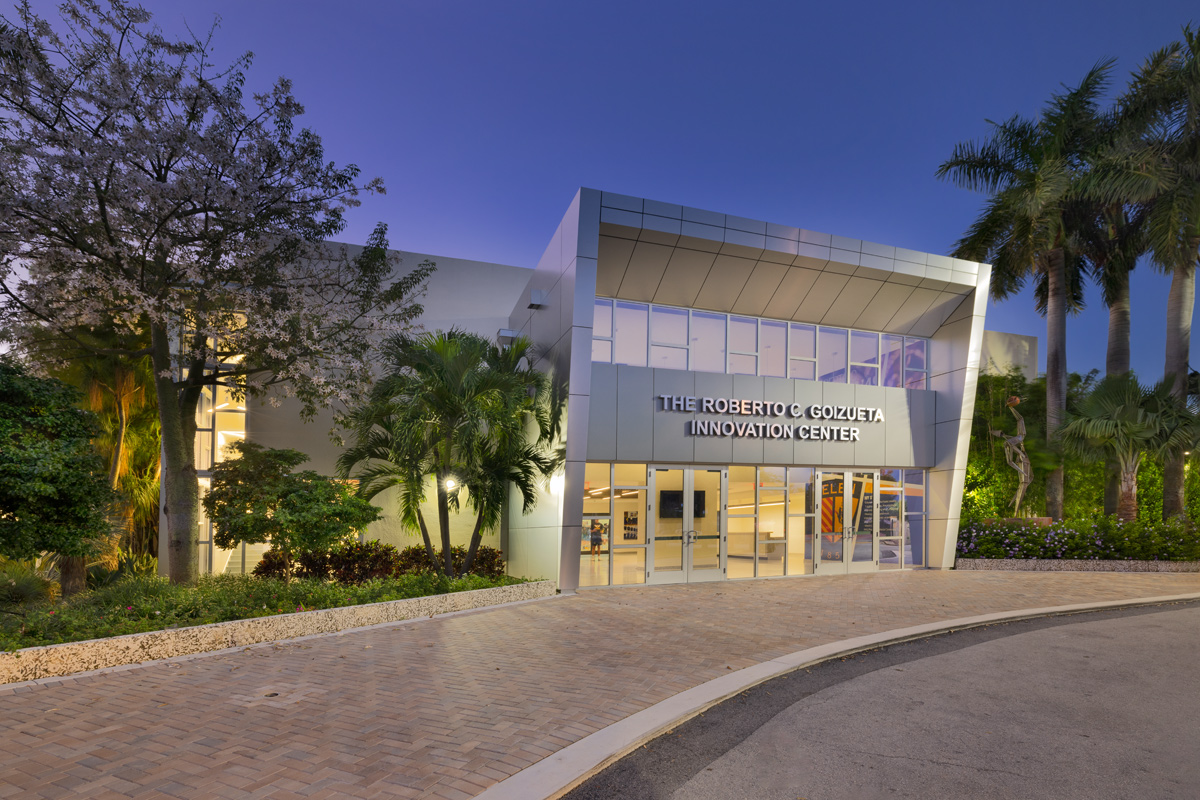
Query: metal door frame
(848, 538)
(687, 573)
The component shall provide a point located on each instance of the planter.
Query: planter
(55, 660)
(1073, 565)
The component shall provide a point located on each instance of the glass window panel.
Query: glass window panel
(914, 540)
(831, 363)
(629, 511)
(629, 565)
(893, 365)
(914, 354)
(743, 335)
(602, 319)
(204, 409)
(914, 490)
(602, 351)
(708, 342)
(740, 547)
(772, 477)
(669, 326)
(668, 357)
(890, 549)
(594, 552)
(800, 544)
(864, 347)
(741, 490)
(803, 341)
(630, 334)
(773, 348)
(914, 380)
(802, 370)
(740, 364)
(204, 450)
(801, 497)
(630, 474)
(772, 533)
(864, 375)
(597, 489)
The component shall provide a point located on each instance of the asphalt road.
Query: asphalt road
(1088, 706)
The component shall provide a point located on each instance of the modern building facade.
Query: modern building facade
(745, 399)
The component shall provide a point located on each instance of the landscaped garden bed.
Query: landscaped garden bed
(149, 618)
(1090, 544)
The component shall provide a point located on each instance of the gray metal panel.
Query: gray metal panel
(910, 313)
(713, 449)
(760, 288)
(816, 304)
(635, 413)
(850, 302)
(792, 290)
(871, 448)
(611, 264)
(807, 393)
(837, 453)
(683, 277)
(883, 306)
(747, 451)
(921, 414)
(577, 426)
(937, 313)
(779, 451)
(672, 444)
(898, 431)
(645, 271)
(724, 282)
(602, 414)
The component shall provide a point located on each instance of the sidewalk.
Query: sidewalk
(451, 706)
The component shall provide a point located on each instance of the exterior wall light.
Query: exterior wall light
(450, 484)
(556, 484)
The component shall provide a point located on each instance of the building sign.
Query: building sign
(778, 418)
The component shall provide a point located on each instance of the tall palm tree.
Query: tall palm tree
(463, 414)
(1031, 170)
(1124, 421)
(1162, 169)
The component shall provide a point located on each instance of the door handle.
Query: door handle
(689, 537)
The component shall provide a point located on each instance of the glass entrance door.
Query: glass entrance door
(687, 534)
(849, 532)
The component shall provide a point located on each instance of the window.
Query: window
(641, 334)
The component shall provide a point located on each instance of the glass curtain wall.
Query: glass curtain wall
(640, 334)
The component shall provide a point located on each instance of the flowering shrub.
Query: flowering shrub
(1097, 537)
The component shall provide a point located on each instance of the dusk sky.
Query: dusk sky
(483, 118)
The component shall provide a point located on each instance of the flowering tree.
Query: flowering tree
(140, 191)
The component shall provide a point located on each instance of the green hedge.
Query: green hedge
(1090, 538)
(149, 603)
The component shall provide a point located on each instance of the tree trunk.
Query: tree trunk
(1056, 370)
(72, 574)
(1116, 363)
(181, 490)
(443, 506)
(1180, 303)
(1127, 509)
(430, 553)
(476, 537)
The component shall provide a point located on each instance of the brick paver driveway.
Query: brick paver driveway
(447, 707)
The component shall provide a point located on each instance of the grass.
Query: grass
(149, 603)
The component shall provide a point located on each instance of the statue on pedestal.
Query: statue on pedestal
(1014, 451)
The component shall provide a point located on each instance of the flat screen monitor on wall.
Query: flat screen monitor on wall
(670, 504)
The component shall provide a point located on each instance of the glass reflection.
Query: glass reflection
(832, 358)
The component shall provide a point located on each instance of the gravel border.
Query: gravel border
(1073, 565)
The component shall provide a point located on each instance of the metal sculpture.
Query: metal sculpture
(1014, 451)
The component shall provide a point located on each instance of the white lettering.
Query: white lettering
(722, 405)
(854, 434)
(706, 405)
(727, 429)
(690, 405)
(796, 410)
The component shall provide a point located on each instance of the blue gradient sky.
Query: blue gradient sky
(483, 118)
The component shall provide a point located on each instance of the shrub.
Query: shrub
(489, 562)
(127, 564)
(1097, 537)
(356, 563)
(21, 586)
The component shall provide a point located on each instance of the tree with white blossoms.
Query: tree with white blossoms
(141, 190)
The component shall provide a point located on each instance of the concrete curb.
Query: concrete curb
(557, 774)
(1072, 565)
(58, 660)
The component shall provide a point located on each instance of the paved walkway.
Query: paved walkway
(448, 707)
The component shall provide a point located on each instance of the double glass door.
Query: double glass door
(687, 539)
(849, 533)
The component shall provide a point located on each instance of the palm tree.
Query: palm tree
(1031, 170)
(458, 411)
(1123, 421)
(1162, 169)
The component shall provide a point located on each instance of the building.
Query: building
(745, 399)
(1004, 351)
